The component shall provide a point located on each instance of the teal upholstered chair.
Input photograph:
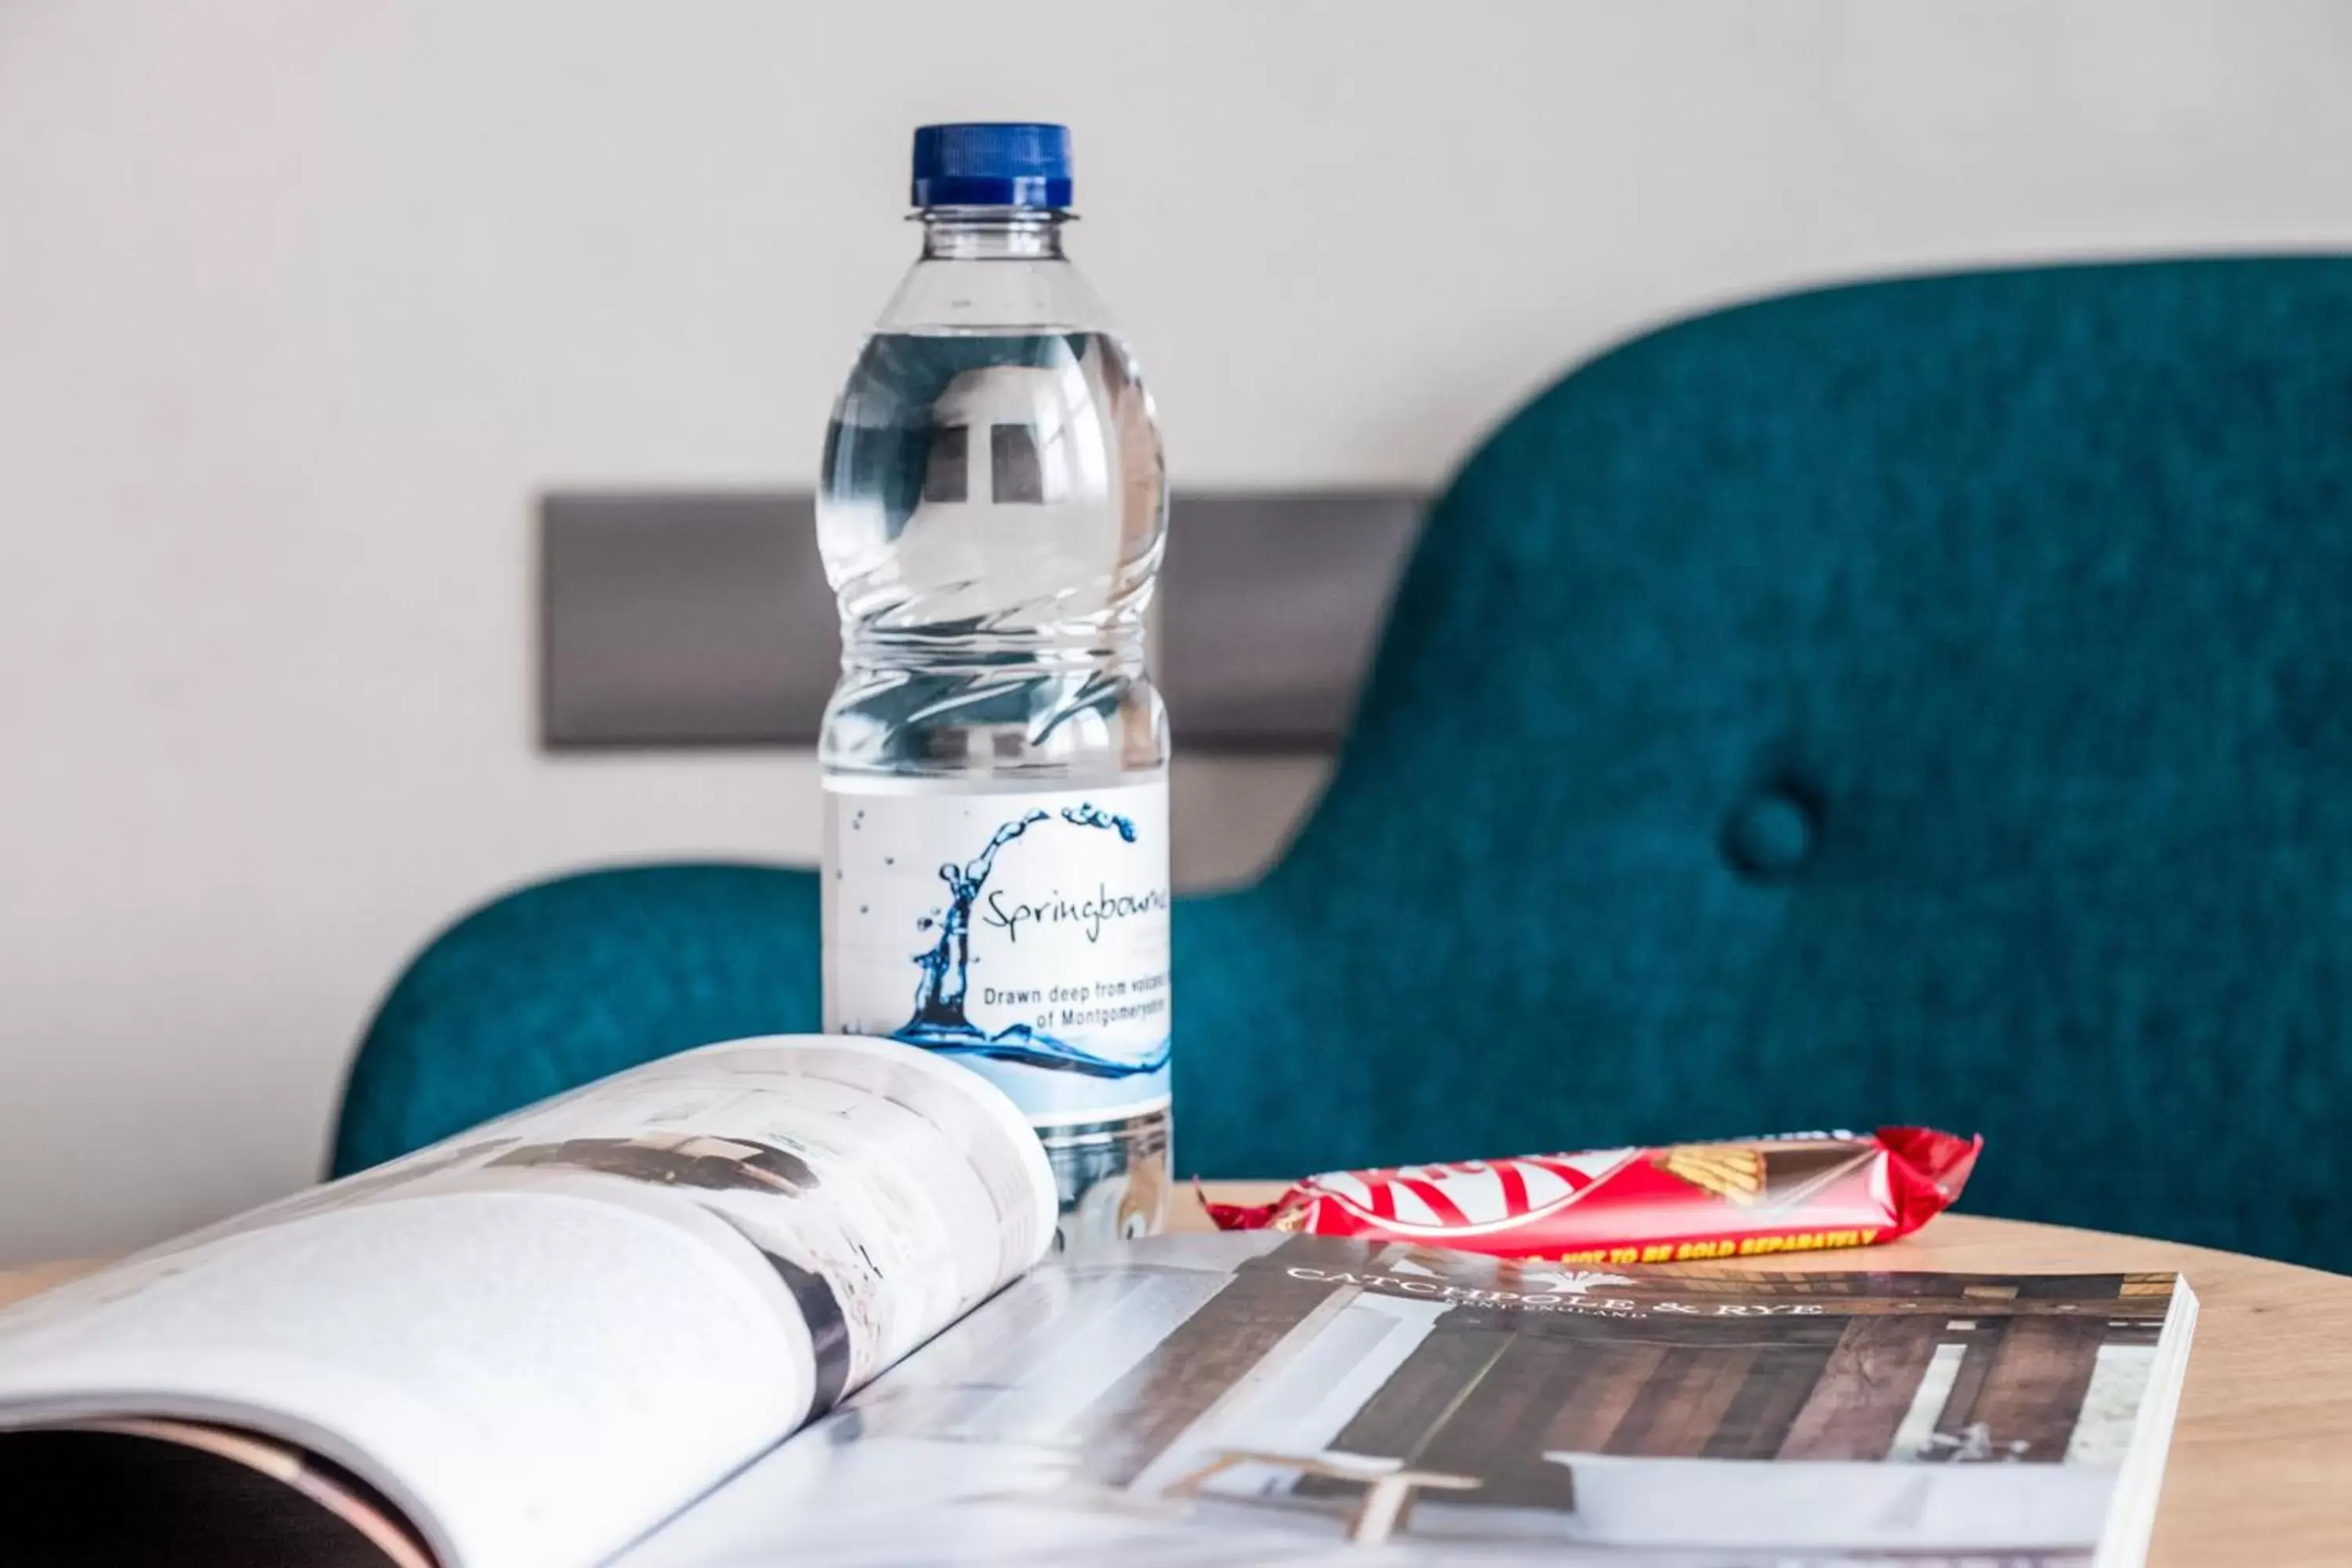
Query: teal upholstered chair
(1928, 701)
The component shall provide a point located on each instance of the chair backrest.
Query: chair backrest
(1926, 700)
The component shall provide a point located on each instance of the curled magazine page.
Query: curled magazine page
(543, 1336)
(887, 1196)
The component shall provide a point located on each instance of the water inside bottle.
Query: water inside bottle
(991, 484)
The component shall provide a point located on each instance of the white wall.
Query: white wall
(300, 304)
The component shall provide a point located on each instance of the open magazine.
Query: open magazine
(790, 1300)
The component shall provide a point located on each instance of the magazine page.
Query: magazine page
(541, 1338)
(1263, 1398)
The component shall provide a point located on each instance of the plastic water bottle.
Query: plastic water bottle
(995, 757)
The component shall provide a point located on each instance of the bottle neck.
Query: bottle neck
(992, 234)
(993, 269)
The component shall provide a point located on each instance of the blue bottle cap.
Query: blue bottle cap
(993, 166)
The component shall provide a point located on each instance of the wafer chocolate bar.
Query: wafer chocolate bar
(1745, 1198)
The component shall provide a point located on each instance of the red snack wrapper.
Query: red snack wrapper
(1676, 1205)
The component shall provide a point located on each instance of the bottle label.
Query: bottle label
(1023, 934)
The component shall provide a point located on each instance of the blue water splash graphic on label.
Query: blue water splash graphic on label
(939, 1023)
(1087, 815)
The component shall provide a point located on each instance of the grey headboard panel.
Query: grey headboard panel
(699, 618)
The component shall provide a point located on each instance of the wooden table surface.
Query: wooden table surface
(2261, 1470)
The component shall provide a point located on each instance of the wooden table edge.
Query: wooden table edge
(30, 1280)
